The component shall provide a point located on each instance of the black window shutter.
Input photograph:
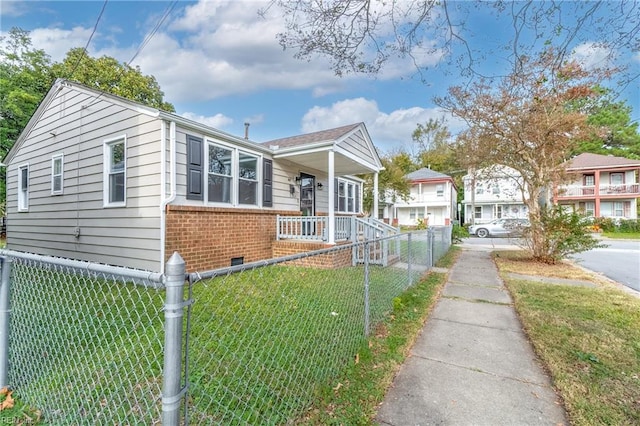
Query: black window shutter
(195, 155)
(267, 183)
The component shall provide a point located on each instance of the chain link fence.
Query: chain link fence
(85, 341)
(256, 343)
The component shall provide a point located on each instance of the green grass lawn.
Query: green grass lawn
(264, 345)
(622, 235)
(589, 339)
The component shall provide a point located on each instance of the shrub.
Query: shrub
(565, 233)
(458, 233)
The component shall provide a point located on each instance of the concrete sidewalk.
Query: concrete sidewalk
(472, 364)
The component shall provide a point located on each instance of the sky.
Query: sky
(219, 63)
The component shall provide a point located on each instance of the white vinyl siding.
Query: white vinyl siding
(115, 172)
(57, 174)
(121, 236)
(23, 188)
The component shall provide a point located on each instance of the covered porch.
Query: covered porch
(338, 156)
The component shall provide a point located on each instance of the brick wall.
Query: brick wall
(337, 259)
(209, 237)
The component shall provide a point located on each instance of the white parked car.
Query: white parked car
(500, 228)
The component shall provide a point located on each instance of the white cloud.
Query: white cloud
(12, 8)
(389, 131)
(218, 121)
(593, 55)
(57, 42)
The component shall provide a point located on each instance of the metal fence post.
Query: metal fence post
(4, 320)
(172, 393)
(431, 237)
(366, 287)
(409, 259)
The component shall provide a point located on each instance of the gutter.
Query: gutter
(163, 182)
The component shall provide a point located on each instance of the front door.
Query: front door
(308, 202)
(307, 195)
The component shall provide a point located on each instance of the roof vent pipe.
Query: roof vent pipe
(246, 130)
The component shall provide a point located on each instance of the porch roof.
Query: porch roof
(354, 151)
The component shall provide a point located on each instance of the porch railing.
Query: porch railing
(314, 228)
(590, 191)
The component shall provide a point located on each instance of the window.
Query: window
(56, 174)
(618, 209)
(23, 188)
(115, 172)
(478, 212)
(479, 190)
(616, 178)
(440, 190)
(220, 174)
(233, 176)
(348, 196)
(495, 189)
(589, 208)
(414, 213)
(589, 180)
(248, 179)
(499, 212)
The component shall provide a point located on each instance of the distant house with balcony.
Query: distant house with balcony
(432, 196)
(601, 186)
(493, 193)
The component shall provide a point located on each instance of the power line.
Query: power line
(155, 29)
(84, 51)
(143, 44)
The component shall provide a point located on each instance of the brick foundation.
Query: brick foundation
(209, 237)
(337, 259)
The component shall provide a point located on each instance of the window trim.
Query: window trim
(106, 172)
(54, 175)
(23, 193)
(440, 190)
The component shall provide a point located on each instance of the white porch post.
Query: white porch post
(331, 239)
(375, 196)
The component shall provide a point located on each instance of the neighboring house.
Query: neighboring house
(601, 186)
(100, 178)
(493, 193)
(432, 196)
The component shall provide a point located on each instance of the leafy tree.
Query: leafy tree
(109, 75)
(621, 137)
(523, 122)
(392, 183)
(434, 146)
(25, 77)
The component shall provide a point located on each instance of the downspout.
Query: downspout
(163, 182)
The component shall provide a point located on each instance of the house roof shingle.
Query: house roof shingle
(426, 173)
(589, 161)
(321, 136)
